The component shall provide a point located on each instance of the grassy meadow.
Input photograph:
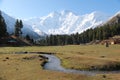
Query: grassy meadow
(83, 57)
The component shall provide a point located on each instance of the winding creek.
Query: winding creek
(54, 64)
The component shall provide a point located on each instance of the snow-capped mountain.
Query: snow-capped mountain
(27, 29)
(64, 22)
(67, 22)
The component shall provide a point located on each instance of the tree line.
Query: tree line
(99, 33)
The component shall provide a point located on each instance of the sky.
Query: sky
(24, 9)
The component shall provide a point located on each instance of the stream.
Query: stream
(54, 64)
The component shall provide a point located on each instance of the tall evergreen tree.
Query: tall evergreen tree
(27, 37)
(3, 30)
(16, 33)
(18, 27)
(21, 26)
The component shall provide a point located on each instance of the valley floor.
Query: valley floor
(29, 66)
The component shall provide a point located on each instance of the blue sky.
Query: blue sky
(38, 8)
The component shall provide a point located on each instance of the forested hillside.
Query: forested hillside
(109, 29)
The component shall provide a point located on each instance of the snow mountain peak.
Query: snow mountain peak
(67, 22)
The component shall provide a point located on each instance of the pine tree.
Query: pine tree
(3, 30)
(21, 26)
(16, 33)
(18, 27)
(28, 37)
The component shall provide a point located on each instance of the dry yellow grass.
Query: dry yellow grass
(86, 57)
(14, 67)
(28, 67)
(85, 62)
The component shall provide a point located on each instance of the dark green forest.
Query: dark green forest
(99, 33)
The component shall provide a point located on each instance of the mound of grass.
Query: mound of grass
(81, 62)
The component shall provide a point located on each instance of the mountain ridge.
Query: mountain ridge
(67, 22)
